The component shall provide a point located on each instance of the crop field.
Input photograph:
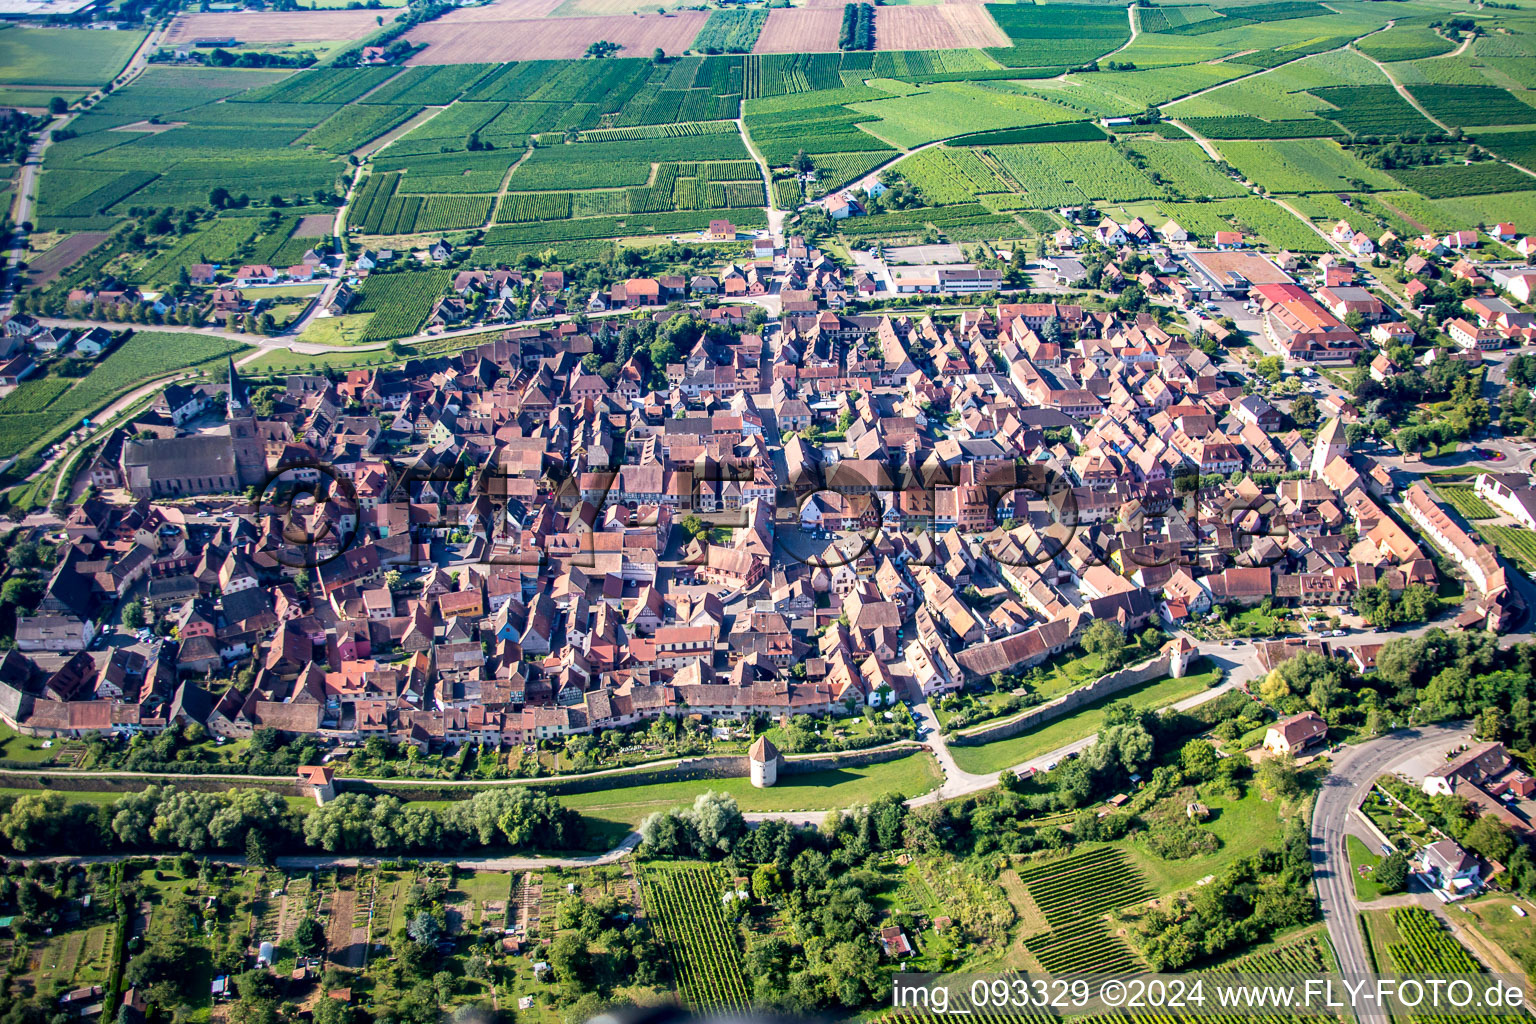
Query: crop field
(321, 86)
(1083, 885)
(1071, 131)
(940, 27)
(1086, 945)
(274, 27)
(1303, 165)
(965, 222)
(685, 910)
(437, 85)
(1427, 946)
(950, 175)
(1517, 147)
(1473, 105)
(63, 56)
(1058, 34)
(1069, 173)
(730, 31)
(945, 109)
(800, 30)
(1405, 42)
(1073, 893)
(399, 302)
(451, 41)
(1372, 110)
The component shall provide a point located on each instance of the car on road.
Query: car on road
(1051, 766)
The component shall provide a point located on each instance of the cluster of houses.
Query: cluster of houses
(23, 337)
(498, 546)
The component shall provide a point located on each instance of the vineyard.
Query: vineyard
(399, 302)
(687, 915)
(1372, 110)
(1463, 498)
(1084, 884)
(351, 127)
(1086, 945)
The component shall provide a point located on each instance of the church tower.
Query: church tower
(244, 436)
(1330, 445)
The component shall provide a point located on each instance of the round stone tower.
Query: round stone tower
(763, 763)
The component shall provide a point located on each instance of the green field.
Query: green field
(1405, 42)
(1001, 754)
(63, 56)
(1362, 857)
(912, 776)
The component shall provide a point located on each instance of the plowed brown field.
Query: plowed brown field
(484, 39)
(276, 26)
(801, 30)
(946, 27)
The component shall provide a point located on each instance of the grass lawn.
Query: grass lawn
(1360, 856)
(70, 796)
(1243, 826)
(1498, 923)
(281, 360)
(346, 329)
(816, 791)
(1380, 932)
(993, 757)
(16, 747)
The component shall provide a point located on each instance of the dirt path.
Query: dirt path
(506, 183)
(1401, 91)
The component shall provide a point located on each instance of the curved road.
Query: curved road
(1353, 769)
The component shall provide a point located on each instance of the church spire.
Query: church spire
(239, 397)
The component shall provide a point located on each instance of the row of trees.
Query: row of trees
(259, 823)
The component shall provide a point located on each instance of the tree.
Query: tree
(58, 105)
(658, 56)
(1277, 776)
(1106, 639)
(424, 929)
(1391, 875)
(1489, 838)
(1304, 410)
(309, 937)
(133, 614)
(693, 526)
(1199, 760)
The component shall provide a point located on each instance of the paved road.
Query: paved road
(1352, 770)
